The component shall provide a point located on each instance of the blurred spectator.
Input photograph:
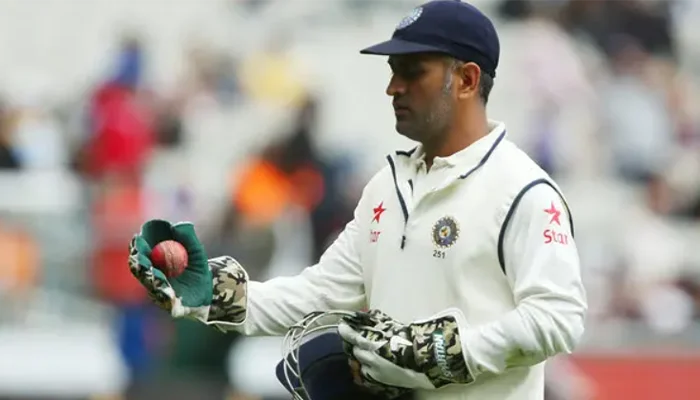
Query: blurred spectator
(225, 79)
(653, 252)
(273, 75)
(121, 139)
(117, 212)
(690, 284)
(212, 76)
(39, 141)
(648, 23)
(635, 116)
(19, 272)
(287, 174)
(8, 156)
(561, 95)
(121, 125)
(328, 202)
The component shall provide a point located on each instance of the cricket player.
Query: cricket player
(462, 248)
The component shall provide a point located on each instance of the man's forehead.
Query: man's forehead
(416, 58)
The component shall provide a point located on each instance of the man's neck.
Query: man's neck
(458, 138)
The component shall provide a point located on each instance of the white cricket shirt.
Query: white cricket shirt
(485, 231)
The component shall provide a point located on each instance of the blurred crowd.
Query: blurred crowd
(603, 94)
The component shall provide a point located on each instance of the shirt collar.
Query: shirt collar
(468, 158)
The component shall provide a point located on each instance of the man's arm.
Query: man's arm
(271, 307)
(542, 266)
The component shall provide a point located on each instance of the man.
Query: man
(462, 248)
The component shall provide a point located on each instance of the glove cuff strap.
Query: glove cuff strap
(230, 297)
(438, 351)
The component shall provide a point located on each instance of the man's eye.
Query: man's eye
(408, 73)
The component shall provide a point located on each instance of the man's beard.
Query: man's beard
(436, 122)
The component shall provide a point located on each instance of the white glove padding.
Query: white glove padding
(376, 368)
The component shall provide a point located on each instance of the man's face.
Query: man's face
(421, 85)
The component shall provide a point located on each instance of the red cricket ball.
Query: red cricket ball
(170, 257)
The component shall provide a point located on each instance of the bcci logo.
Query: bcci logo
(445, 232)
(410, 18)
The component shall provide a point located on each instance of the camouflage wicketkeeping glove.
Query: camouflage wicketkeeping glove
(420, 355)
(211, 291)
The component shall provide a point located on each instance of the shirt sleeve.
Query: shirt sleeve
(334, 283)
(542, 266)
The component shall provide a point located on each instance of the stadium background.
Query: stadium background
(259, 121)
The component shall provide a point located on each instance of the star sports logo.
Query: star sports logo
(378, 211)
(554, 214)
(550, 234)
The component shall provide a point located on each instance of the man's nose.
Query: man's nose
(396, 86)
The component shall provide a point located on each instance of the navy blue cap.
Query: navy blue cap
(451, 27)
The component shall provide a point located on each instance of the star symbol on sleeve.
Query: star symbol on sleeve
(554, 213)
(378, 210)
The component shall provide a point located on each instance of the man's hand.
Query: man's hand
(421, 355)
(211, 291)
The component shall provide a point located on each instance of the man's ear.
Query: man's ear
(469, 74)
